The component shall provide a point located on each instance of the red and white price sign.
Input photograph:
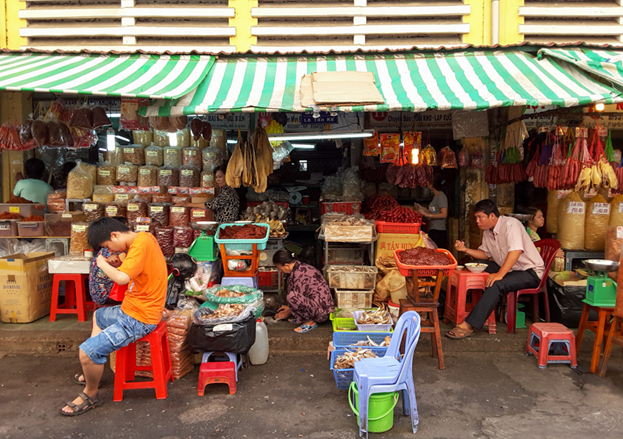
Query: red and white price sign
(576, 207)
(563, 194)
(620, 232)
(581, 132)
(620, 207)
(601, 209)
(603, 131)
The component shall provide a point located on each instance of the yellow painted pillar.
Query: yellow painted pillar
(13, 24)
(510, 21)
(13, 106)
(479, 20)
(243, 21)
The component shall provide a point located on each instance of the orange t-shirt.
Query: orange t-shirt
(147, 292)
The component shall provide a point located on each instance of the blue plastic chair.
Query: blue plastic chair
(390, 373)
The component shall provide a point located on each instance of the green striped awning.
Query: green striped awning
(607, 64)
(146, 76)
(407, 82)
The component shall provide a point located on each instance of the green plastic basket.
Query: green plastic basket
(345, 324)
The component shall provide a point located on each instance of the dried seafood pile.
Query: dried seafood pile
(421, 256)
(224, 292)
(347, 361)
(377, 317)
(369, 342)
(225, 310)
(247, 231)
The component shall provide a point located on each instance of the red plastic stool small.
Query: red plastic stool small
(75, 296)
(456, 306)
(223, 372)
(545, 337)
(126, 367)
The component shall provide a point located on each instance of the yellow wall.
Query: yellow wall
(510, 21)
(479, 21)
(243, 21)
(9, 33)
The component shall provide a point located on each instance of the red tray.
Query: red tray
(429, 270)
(408, 228)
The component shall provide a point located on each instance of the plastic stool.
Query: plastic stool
(160, 365)
(213, 372)
(456, 306)
(75, 296)
(219, 356)
(246, 281)
(551, 336)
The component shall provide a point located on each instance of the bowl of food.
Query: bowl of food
(476, 267)
(459, 267)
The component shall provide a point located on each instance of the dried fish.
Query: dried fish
(225, 310)
(377, 317)
(347, 361)
(370, 342)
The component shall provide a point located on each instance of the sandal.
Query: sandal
(292, 320)
(458, 333)
(87, 404)
(305, 328)
(76, 380)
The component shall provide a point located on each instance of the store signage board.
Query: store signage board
(296, 121)
(229, 121)
(409, 121)
(613, 122)
(323, 119)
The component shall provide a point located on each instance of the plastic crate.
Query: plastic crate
(242, 244)
(352, 277)
(268, 278)
(344, 339)
(343, 377)
(354, 299)
(31, 228)
(348, 207)
(342, 324)
(432, 270)
(25, 209)
(370, 328)
(8, 228)
(407, 229)
(337, 255)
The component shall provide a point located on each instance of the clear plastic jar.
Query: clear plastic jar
(92, 211)
(183, 138)
(189, 176)
(207, 179)
(154, 156)
(115, 157)
(78, 239)
(144, 138)
(127, 173)
(147, 176)
(134, 154)
(212, 158)
(107, 174)
(161, 138)
(168, 176)
(173, 156)
(192, 156)
(179, 216)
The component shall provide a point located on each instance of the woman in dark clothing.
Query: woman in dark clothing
(436, 213)
(309, 297)
(226, 205)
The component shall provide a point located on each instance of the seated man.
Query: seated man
(145, 269)
(516, 263)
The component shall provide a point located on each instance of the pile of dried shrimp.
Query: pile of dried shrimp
(224, 292)
(225, 310)
(347, 361)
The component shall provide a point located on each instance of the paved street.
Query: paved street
(496, 395)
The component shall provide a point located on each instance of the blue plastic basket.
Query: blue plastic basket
(343, 377)
(346, 339)
(242, 244)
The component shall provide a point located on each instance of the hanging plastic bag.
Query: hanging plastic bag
(412, 142)
(390, 143)
(371, 145)
(476, 160)
(464, 157)
(597, 218)
(571, 222)
(609, 151)
(79, 182)
(82, 118)
(447, 158)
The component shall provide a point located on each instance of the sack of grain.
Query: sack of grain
(597, 217)
(571, 219)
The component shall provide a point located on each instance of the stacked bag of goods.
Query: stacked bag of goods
(571, 222)
(178, 326)
(597, 218)
(614, 234)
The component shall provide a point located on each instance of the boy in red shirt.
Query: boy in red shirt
(145, 270)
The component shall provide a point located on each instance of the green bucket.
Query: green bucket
(380, 409)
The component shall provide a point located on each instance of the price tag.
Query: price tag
(112, 210)
(190, 152)
(144, 171)
(5, 226)
(121, 197)
(123, 169)
(563, 194)
(173, 150)
(104, 173)
(603, 131)
(78, 228)
(620, 207)
(581, 132)
(208, 177)
(601, 209)
(142, 228)
(166, 172)
(187, 172)
(90, 207)
(152, 153)
(210, 154)
(129, 150)
(66, 216)
(132, 207)
(620, 232)
(576, 207)
(161, 208)
(199, 213)
(223, 327)
(178, 209)
(592, 193)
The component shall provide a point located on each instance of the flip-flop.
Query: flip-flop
(292, 320)
(458, 333)
(305, 328)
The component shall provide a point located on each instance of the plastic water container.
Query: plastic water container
(258, 354)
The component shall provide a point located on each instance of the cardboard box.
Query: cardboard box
(25, 287)
(70, 264)
(388, 242)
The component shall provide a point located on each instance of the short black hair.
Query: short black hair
(101, 229)
(438, 182)
(121, 219)
(283, 257)
(34, 168)
(487, 207)
(222, 168)
(182, 265)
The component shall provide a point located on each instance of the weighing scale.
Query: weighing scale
(600, 289)
(204, 247)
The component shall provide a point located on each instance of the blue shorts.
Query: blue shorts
(118, 331)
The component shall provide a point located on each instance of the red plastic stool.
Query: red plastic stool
(457, 307)
(545, 338)
(126, 367)
(75, 296)
(217, 372)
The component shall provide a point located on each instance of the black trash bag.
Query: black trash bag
(231, 337)
(565, 304)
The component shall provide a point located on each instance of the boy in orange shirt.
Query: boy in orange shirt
(145, 269)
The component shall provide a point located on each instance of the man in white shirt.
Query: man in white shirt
(516, 265)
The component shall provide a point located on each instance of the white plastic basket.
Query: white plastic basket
(370, 328)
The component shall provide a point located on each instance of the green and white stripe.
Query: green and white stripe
(408, 82)
(607, 64)
(146, 76)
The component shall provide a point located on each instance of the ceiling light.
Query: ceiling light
(110, 139)
(303, 145)
(172, 139)
(600, 107)
(320, 135)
